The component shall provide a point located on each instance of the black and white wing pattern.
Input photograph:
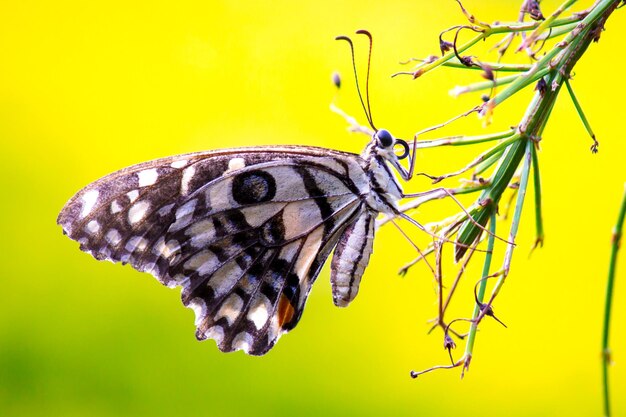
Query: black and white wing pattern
(244, 232)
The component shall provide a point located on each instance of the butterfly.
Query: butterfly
(245, 231)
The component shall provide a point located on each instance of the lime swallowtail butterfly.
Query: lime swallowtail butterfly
(245, 231)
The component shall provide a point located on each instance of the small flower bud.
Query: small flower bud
(336, 79)
(467, 61)
(533, 10)
(448, 342)
(489, 312)
(541, 86)
(445, 46)
(487, 73)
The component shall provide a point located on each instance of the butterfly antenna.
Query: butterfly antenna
(367, 78)
(356, 78)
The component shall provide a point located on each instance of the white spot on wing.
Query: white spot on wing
(138, 211)
(230, 309)
(179, 164)
(188, 174)
(147, 177)
(235, 164)
(132, 195)
(89, 201)
(93, 227)
(115, 207)
(113, 237)
(243, 341)
(216, 333)
(199, 307)
(259, 312)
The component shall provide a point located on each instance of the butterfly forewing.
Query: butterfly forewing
(244, 232)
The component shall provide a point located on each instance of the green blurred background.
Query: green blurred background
(89, 87)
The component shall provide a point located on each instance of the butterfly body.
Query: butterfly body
(243, 231)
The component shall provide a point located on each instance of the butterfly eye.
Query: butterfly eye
(385, 138)
(401, 145)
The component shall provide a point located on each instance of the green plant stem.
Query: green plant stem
(498, 149)
(559, 31)
(519, 204)
(536, 116)
(580, 112)
(487, 163)
(606, 352)
(483, 85)
(538, 212)
(482, 287)
(463, 140)
(495, 66)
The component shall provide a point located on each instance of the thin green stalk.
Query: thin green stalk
(508, 27)
(487, 163)
(463, 140)
(483, 85)
(538, 212)
(517, 214)
(559, 31)
(437, 194)
(606, 352)
(495, 66)
(579, 109)
(482, 287)
(505, 144)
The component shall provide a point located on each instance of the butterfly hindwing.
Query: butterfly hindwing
(243, 232)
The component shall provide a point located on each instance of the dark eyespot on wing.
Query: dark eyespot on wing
(253, 187)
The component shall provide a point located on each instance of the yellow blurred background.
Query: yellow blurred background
(87, 88)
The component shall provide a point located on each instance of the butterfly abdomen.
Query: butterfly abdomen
(351, 257)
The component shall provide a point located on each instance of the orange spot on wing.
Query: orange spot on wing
(285, 310)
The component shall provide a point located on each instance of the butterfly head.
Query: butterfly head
(384, 146)
(391, 149)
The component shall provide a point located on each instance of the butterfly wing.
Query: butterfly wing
(244, 232)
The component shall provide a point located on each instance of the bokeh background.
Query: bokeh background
(89, 87)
